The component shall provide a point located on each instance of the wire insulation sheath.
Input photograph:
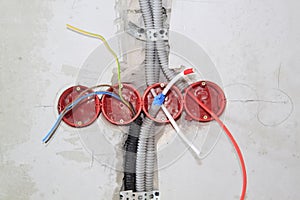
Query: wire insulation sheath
(110, 50)
(232, 140)
(70, 107)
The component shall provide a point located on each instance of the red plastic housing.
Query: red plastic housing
(208, 93)
(116, 111)
(85, 113)
(173, 102)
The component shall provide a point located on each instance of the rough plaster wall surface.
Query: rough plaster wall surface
(39, 58)
(254, 45)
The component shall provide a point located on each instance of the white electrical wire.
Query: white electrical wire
(179, 132)
(176, 78)
(168, 114)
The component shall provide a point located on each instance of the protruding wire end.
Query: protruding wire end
(188, 71)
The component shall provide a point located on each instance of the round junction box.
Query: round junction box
(210, 94)
(85, 113)
(173, 102)
(116, 112)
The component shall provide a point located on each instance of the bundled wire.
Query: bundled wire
(110, 50)
(50, 134)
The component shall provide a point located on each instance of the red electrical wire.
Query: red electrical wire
(234, 143)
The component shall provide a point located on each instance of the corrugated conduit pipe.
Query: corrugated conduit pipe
(152, 76)
(130, 148)
(131, 143)
(161, 45)
(146, 151)
(152, 71)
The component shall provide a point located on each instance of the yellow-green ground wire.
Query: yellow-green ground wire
(110, 50)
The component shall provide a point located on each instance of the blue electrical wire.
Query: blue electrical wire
(70, 107)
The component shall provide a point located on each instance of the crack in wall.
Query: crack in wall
(256, 100)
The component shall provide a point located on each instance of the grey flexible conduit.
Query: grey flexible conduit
(150, 158)
(161, 46)
(146, 154)
(152, 12)
(150, 77)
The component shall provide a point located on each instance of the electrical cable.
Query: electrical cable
(154, 51)
(168, 114)
(53, 129)
(232, 140)
(63, 112)
(129, 105)
(70, 107)
(146, 153)
(86, 33)
(228, 133)
(177, 129)
(176, 78)
(95, 87)
(152, 70)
